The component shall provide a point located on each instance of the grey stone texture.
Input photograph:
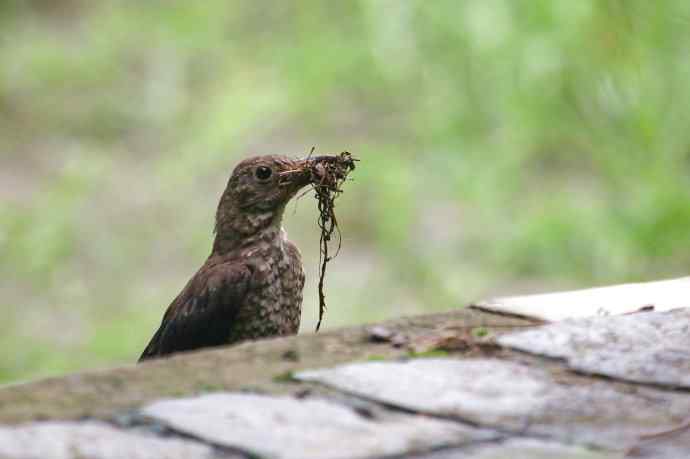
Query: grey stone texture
(522, 448)
(645, 347)
(92, 440)
(668, 444)
(512, 396)
(481, 401)
(287, 427)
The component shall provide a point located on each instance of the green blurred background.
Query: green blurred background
(507, 147)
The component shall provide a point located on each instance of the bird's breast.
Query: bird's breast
(273, 304)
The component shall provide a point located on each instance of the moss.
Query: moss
(204, 388)
(287, 377)
(250, 366)
(429, 354)
(480, 332)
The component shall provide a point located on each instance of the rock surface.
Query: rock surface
(92, 440)
(462, 384)
(647, 347)
(511, 396)
(522, 449)
(287, 427)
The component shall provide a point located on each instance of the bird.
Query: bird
(251, 285)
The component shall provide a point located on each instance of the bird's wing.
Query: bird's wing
(202, 314)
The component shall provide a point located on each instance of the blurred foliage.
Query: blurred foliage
(506, 145)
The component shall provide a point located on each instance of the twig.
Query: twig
(328, 174)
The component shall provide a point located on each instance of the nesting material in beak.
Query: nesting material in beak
(326, 174)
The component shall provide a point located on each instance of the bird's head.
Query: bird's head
(266, 183)
(257, 193)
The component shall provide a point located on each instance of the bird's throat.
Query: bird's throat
(240, 229)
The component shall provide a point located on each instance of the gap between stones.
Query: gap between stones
(355, 402)
(134, 420)
(362, 406)
(563, 362)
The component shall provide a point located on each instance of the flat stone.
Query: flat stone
(287, 427)
(512, 396)
(662, 295)
(93, 440)
(669, 444)
(646, 347)
(522, 448)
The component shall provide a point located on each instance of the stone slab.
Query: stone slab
(287, 427)
(671, 444)
(97, 394)
(512, 396)
(648, 347)
(602, 301)
(92, 440)
(522, 448)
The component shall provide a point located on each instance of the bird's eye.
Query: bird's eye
(263, 173)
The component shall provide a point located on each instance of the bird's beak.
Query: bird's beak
(298, 175)
(313, 169)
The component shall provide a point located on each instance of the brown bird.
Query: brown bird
(251, 285)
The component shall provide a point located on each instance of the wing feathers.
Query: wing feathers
(202, 315)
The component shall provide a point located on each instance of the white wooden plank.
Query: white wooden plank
(662, 295)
